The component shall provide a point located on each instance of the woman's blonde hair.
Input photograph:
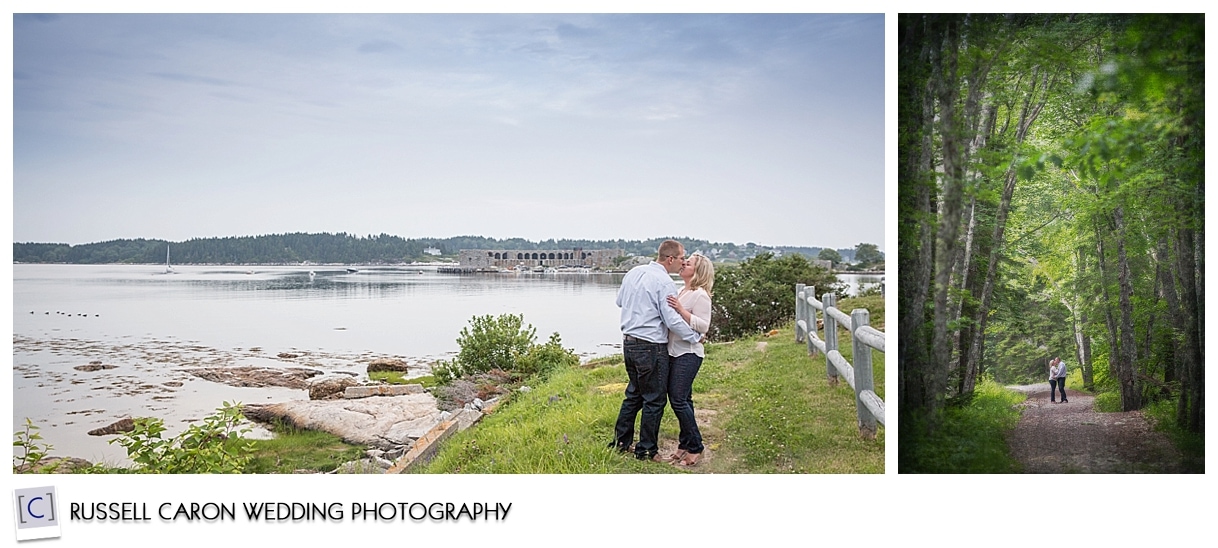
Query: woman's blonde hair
(704, 273)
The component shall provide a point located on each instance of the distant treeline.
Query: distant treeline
(348, 248)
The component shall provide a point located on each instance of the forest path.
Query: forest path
(1057, 438)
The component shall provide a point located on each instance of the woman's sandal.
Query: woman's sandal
(677, 456)
(690, 459)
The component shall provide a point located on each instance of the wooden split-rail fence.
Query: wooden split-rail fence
(869, 406)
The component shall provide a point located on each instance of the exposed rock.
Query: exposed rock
(257, 377)
(124, 425)
(288, 355)
(384, 422)
(329, 387)
(95, 366)
(387, 364)
(356, 392)
(54, 465)
(362, 466)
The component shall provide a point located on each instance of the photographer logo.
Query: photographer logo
(36, 512)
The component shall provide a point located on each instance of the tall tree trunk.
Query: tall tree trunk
(918, 209)
(1085, 356)
(1082, 341)
(946, 243)
(1127, 374)
(1190, 413)
(1114, 341)
(1165, 281)
(964, 274)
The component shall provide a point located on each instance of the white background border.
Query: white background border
(687, 510)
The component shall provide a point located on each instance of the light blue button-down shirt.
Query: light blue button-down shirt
(646, 314)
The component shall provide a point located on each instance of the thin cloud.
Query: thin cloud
(379, 46)
(192, 79)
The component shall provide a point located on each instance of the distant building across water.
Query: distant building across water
(511, 258)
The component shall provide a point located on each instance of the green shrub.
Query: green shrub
(32, 448)
(503, 343)
(215, 446)
(544, 358)
(489, 343)
(445, 371)
(970, 438)
(759, 294)
(1108, 402)
(871, 290)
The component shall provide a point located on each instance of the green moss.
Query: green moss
(398, 377)
(293, 450)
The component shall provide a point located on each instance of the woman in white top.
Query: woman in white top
(1053, 380)
(693, 303)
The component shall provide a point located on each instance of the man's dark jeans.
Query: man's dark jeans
(1061, 384)
(647, 367)
(680, 391)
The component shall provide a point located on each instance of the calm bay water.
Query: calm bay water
(152, 327)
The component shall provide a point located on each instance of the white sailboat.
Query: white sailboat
(168, 268)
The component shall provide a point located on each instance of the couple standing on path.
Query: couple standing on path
(662, 334)
(1057, 379)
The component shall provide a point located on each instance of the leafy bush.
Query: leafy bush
(759, 294)
(489, 343)
(215, 446)
(502, 343)
(544, 358)
(1108, 402)
(33, 449)
(970, 439)
(871, 290)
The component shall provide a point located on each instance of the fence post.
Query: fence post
(830, 300)
(800, 304)
(810, 318)
(862, 373)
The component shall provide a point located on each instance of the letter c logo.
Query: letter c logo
(29, 508)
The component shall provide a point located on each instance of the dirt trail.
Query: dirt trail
(1057, 438)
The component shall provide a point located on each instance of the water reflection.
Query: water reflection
(859, 282)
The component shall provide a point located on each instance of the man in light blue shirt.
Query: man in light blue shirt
(1061, 378)
(647, 322)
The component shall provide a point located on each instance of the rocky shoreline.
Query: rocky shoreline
(312, 390)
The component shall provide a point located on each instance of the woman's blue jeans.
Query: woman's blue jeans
(681, 372)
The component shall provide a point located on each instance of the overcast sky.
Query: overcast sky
(730, 128)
